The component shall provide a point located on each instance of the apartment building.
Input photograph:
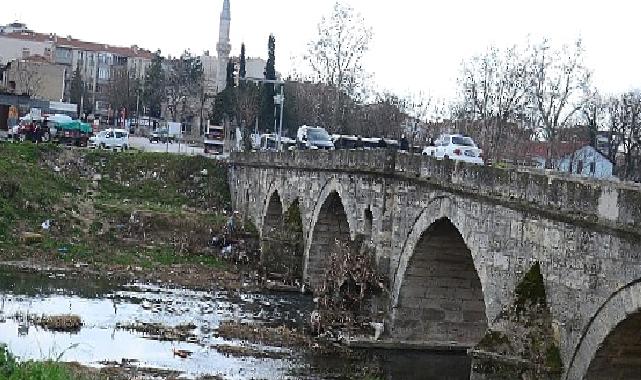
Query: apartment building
(14, 27)
(96, 62)
(35, 77)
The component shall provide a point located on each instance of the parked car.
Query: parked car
(161, 135)
(313, 138)
(455, 147)
(110, 139)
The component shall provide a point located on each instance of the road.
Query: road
(143, 144)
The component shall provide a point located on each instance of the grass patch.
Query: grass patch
(146, 209)
(531, 290)
(11, 369)
(145, 257)
(162, 178)
(29, 192)
(553, 359)
(167, 256)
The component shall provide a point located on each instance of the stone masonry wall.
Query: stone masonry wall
(585, 234)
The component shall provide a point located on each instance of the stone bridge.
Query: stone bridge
(456, 240)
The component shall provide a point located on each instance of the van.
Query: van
(313, 138)
(110, 139)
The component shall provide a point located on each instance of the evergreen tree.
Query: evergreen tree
(154, 89)
(218, 110)
(224, 106)
(268, 91)
(231, 80)
(242, 72)
(270, 67)
(77, 89)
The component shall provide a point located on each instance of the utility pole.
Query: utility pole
(280, 99)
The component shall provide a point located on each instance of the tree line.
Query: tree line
(507, 99)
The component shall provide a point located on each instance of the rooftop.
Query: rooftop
(69, 42)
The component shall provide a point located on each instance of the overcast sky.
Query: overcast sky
(417, 45)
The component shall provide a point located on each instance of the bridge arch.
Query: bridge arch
(610, 347)
(272, 216)
(437, 294)
(331, 221)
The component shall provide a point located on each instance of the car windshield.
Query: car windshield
(463, 141)
(317, 135)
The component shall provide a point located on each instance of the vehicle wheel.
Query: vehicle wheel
(125, 147)
(102, 146)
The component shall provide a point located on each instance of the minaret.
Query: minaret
(224, 47)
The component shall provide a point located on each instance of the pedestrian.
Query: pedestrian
(404, 145)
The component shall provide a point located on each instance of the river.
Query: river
(105, 306)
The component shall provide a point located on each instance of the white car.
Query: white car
(313, 138)
(455, 147)
(110, 139)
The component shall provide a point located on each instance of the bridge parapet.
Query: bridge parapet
(609, 204)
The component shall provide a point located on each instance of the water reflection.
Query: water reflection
(103, 305)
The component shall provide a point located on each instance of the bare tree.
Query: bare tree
(385, 117)
(122, 88)
(184, 85)
(419, 108)
(311, 104)
(27, 78)
(625, 129)
(558, 84)
(248, 103)
(594, 111)
(336, 56)
(494, 95)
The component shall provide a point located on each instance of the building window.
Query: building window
(592, 167)
(47, 52)
(579, 167)
(103, 73)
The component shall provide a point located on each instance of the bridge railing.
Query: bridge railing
(582, 199)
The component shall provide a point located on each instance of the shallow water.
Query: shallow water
(102, 305)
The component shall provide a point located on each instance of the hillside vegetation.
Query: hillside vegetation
(105, 207)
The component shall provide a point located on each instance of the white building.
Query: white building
(24, 45)
(587, 162)
(14, 27)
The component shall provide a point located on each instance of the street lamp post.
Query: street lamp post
(280, 100)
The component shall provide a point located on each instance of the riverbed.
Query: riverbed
(107, 307)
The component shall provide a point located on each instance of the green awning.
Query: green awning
(76, 125)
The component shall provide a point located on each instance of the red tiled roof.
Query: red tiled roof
(73, 43)
(561, 149)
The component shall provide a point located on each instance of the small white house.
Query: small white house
(588, 162)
